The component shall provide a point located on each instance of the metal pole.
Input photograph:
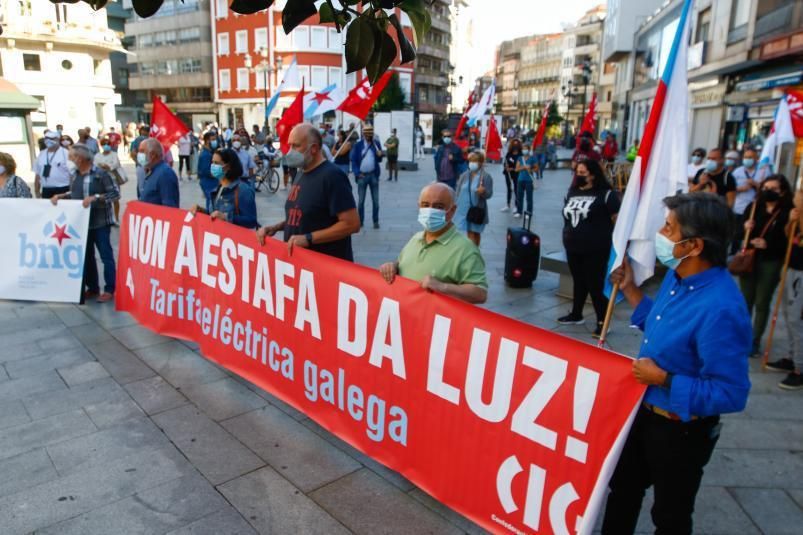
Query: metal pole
(265, 84)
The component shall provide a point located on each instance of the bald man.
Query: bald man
(320, 213)
(442, 259)
(160, 185)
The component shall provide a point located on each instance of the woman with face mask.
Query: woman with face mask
(511, 175)
(474, 188)
(234, 199)
(11, 186)
(768, 239)
(589, 212)
(108, 160)
(697, 162)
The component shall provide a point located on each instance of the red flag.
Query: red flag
(464, 118)
(165, 126)
(794, 99)
(493, 142)
(590, 121)
(361, 98)
(539, 136)
(292, 116)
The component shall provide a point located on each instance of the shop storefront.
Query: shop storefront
(707, 113)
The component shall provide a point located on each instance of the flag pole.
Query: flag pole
(603, 337)
(344, 144)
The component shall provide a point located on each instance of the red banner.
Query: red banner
(515, 427)
(165, 126)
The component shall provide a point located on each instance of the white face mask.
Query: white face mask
(71, 167)
(236, 144)
(473, 166)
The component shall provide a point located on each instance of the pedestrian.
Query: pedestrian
(748, 178)
(632, 152)
(392, 152)
(114, 139)
(440, 258)
(768, 245)
(11, 186)
(52, 168)
(610, 150)
(132, 153)
(320, 213)
(328, 138)
(585, 150)
(208, 182)
(227, 136)
(419, 138)
(511, 175)
(160, 185)
(108, 160)
(184, 153)
(342, 152)
(66, 141)
(366, 156)
(732, 160)
(95, 188)
(246, 160)
(234, 199)
(526, 164)
(474, 188)
(540, 153)
(448, 158)
(589, 212)
(715, 178)
(696, 163)
(693, 360)
(792, 307)
(88, 140)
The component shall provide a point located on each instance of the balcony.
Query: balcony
(30, 29)
(441, 24)
(605, 107)
(775, 21)
(435, 51)
(158, 81)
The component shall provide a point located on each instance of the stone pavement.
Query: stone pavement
(106, 427)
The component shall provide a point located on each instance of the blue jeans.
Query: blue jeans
(99, 238)
(541, 159)
(524, 187)
(372, 181)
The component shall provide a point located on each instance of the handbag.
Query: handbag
(476, 213)
(744, 261)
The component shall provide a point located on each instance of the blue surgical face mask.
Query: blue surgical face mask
(142, 159)
(729, 162)
(711, 165)
(664, 251)
(447, 140)
(473, 166)
(696, 160)
(107, 148)
(213, 144)
(432, 219)
(749, 162)
(216, 170)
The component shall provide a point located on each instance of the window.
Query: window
(241, 42)
(122, 77)
(189, 65)
(31, 62)
(318, 77)
(335, 75)
(303, 75)
(261, 39)
(318, 37)
(301, 37)
(221, 9)
(66, 65)
(145, 40)
(225, 80)
(740, 13)
(335, 39)
(260, 79)
(223, 44)
(98, 64)
(242, 79)
(189, 35)
(703, 25)
(283, 40)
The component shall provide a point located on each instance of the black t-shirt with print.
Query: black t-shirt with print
(587, 224)
(725, 183)
(313, 203)
(510, 161)
(796, 260)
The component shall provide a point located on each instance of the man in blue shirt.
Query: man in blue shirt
(448, 160)
(365, 157)
(161, 183)
(207, 181)
(693, 358)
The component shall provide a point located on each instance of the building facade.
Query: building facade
(508, 64)
(463, 54)
(539, 76)
(131, 103)
(434, 72)
(59, 54)
(172, 58)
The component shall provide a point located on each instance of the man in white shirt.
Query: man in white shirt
(748, 178)
(249, 167)
(184, 152)
(52, 168)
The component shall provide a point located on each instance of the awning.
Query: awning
(11, 98)
(768, 82)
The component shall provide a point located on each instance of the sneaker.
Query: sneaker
(598, 331)
(90, 294)
(782, 365)
(793, 381)
(516, 214)
(376, 225)
(105, 297)
(505, 209)
(570, 319)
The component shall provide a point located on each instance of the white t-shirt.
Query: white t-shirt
(741, 176)
(184, 146)
(59, 174)
(691, 169)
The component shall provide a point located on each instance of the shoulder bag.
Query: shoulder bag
(476, 213)
(743, 262)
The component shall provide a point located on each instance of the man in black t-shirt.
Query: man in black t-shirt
(714, 177)
(320, 212)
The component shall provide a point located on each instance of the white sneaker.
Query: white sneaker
(505, 209)
(517, 214)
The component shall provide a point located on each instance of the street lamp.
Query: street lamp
(586, 78)
(266, 68)
(569, 93)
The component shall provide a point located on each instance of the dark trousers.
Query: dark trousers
(99, 238)
(588, 275)
(758, 288)
(668, 455)
(49, 192)
(511, 181)
(541, 159)
(368, 180)
(182, 162)
(524, 191)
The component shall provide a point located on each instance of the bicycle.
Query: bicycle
(267, 176)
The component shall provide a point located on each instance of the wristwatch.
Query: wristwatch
(308, 236)
(97, 196)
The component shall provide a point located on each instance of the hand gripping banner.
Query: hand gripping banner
(515, 427)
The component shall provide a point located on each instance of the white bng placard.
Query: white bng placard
(43, 249)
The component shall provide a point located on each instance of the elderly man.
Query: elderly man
(693, 359)
(240, 146)
(448, 159)
(85, 138)
(715, 177)
(96, 188)
(52, 168)
(320, 213)
(442, 259)
(365, 157)
(160, 185)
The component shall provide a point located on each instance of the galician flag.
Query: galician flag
(478, 110)
(660, 168)
(782, 131)
(290, 80)
(317, 103)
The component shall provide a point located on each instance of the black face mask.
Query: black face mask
(585, 145)
(770, 195)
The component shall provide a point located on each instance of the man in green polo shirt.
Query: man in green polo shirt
(440, 258)
(392, 152)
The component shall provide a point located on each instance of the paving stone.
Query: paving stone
(366, 503)
(81, 373)
(224, 398)
(91, 333)
(155, 395)
(120, 362)
(797, 495)
(64, 341)
(3, 374)
(270, 398)
(74, 455)
(35, 365)
(35, 384)
(9, 352)
(772, 510)
(273, 505)
(776, 404)
(107, 317)
(21, 438)
(213, 451)
(155, 510)
(761, 434)
(33, 334)
(294, 451)
(137, 337)
(98, 485)
(112, 412)
(179, 365)
(13, 413)
(25, 470)
(71, 316)
(227, 521)
(463, 523)
(40, 317)
(754, 468)
(49, 403)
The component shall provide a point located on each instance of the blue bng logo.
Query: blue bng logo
(53, 249)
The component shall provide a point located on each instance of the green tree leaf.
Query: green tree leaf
(360, 42)
(392, 98)
(419, 16)
(406, 49)
(326, 13)
(247, 7)
(146, 8)
(383, 55)
(296, 12)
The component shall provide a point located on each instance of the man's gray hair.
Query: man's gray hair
(153, 148)
(442, 186)
(313, 134)
(82, 151)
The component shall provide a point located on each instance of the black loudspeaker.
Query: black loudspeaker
(522, 255)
